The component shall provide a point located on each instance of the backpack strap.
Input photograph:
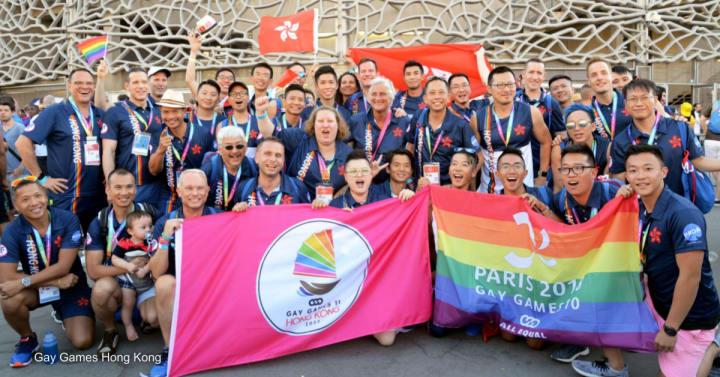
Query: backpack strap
(103, 219)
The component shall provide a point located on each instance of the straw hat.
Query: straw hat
(172, 99)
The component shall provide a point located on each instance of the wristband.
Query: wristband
(263, 116)
(42, 179)
(165, 237)
(163, 246)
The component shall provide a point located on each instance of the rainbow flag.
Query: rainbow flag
(93, 49)
(499, 260)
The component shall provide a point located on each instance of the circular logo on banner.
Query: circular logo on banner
(311, 275)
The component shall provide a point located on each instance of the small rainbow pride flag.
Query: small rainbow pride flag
(93, 49)
(498, 260)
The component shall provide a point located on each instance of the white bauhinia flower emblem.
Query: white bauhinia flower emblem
(287, 30)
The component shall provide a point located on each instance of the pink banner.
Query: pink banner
(277, 280)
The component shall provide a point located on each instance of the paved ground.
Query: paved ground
(415, 354)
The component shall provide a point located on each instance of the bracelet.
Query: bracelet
(43, 179)
(163, 246)
(263, 116)
(165, 237)
(162, 241)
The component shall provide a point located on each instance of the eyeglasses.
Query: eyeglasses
(358, 172)
(238, 94)
(236, 146)
(639, 99)
(504, 85)
(577, 170)
(580, 124)
(515, 167)
(18, 181)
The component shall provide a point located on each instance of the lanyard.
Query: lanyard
(368, 137)
(613, 117)
(262, 201)
(594, 148)
(505, 139)
(142, 120)
(437, 142)
(642, 235)
(83, 121)
(247, 127)
(44, 247)
(460, 111)
(325, 170)
(653, 133)
(112, 235)
(572, 216)
(234, 186)
(284, 121)
(212, 125)
(186, 148)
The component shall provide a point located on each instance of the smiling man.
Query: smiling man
(608, 104)
(71, 131)
(409, 101)
(228, 168)
(326, 86)
(367, 71)
(294, 108)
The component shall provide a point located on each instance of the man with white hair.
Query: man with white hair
(377, 131)
(193, 190)
(228, 168)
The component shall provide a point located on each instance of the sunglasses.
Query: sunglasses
(236, 146)
(580, 124)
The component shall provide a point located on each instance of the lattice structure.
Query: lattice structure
(38, 36)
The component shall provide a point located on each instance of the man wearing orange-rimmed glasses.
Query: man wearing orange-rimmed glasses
(46, 243)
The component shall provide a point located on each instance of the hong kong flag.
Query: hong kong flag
(440, 60)
(296, 33)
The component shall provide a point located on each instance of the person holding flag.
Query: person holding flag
(378, 132)
(72, 131)
(436, 132)
(132, 132)
(181, 147)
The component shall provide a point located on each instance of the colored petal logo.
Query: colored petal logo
(316, 258)
(522, 218)
(287, 30)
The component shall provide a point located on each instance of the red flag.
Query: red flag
(298, 32)
(437, 59)
(286, 78)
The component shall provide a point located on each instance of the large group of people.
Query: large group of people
(119, 179)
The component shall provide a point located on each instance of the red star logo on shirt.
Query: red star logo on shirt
(58, 241)
(341, 170)
(196, 149)
(675, 141)
(422, 105)
(519, 130)
(253, 134)
(82, 301)
(446, 142)
(655, 235)
(397, 132)
(625, 112)
(286, 199)
(157, 119)
(542, 109)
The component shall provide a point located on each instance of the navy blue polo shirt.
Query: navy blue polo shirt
(124, 121)
(676, 226)
(304, 163)
(549, 108)
(61, 130)
(542, 193)
(567, 208)
(207, 125)
(347, 201)
(344, 112)
(215, 171)
(357, 103)
(251, 129)
(603, 117)
(290, 191)
(466, 113)
(479, 103)
(280, 121)
(668, 139)
(394, 137)
(410, 104)
(19, 243)
(197, 146)
(160, 226)
(454, 133)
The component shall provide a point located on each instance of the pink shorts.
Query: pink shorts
(689, 349)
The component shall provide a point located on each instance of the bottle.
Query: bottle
(50, 349)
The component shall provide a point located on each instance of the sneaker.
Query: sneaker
(598, 368)
(24, 350)
(160, 369)
(55, 317)
(405, 329)
(109, 343)
(569, 352)
(436, 331)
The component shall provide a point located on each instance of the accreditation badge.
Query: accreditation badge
(92, 151)
(48, 294)
(324, 193)
(431, 171)
(141, 144)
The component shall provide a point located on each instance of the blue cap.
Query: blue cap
(577, 107)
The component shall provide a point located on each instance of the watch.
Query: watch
(25, 281)
(543, 174)
(669, 330)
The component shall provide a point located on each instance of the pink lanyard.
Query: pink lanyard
(388, 118)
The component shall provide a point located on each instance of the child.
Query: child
(131, 254)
